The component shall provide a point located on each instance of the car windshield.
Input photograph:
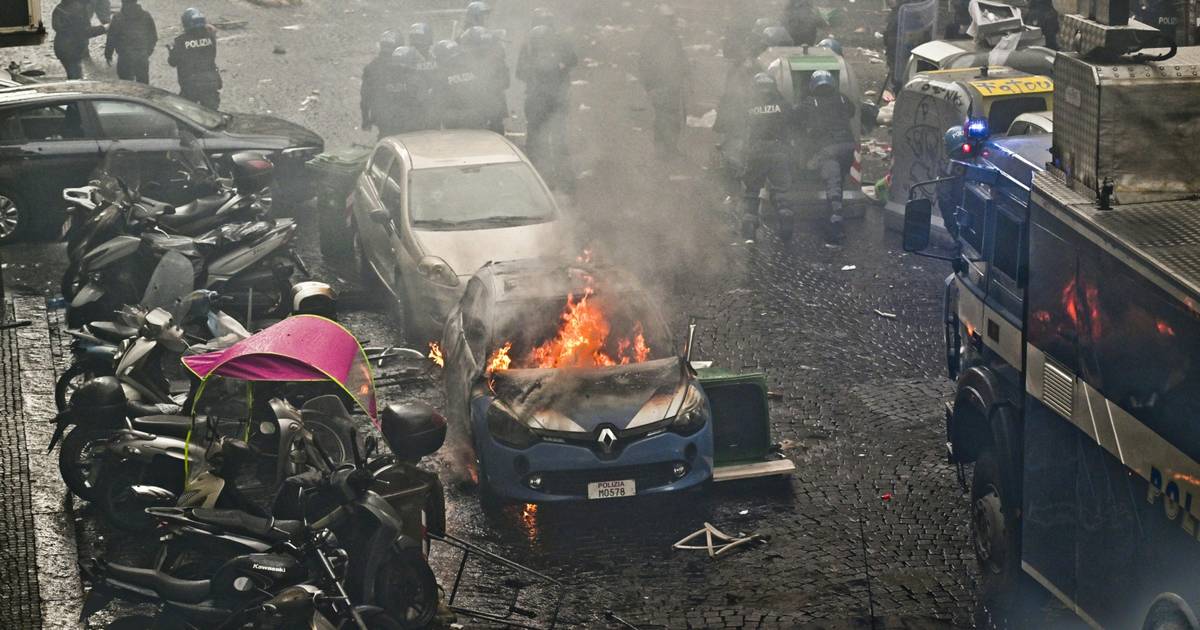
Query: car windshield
(196, 113)
(470, 197)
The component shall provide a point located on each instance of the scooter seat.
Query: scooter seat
(237, 521)
(169, 425)
(165, 586)
(193, 210)
(112, 331)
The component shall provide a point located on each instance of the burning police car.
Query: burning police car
(568, 387)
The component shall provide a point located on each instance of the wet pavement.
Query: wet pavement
(850, 340)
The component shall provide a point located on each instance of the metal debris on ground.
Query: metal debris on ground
(849, 267)
(885, 314)
(703, 122)
(716, 542)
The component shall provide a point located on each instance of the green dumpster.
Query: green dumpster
(335, 173)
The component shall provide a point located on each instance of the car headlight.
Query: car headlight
(437, 271)
(692, 413)
(509, 430)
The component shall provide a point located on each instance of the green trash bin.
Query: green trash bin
(335, 173)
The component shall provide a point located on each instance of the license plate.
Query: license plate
(611, 489)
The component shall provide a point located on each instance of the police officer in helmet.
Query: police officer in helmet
(484, 52)
(374, 77)
(827, 114)
(770, 122)
(132, 35)
(544, 65)
(663, 70)
(194, 56)
(461, 94)
(420, 37)
(477, 14)
(404, 95)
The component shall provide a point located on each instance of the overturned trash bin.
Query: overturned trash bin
(335, 173)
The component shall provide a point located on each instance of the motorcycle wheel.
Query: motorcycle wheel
(72, 379)
(402, 583)
(120, 506)
(79, 468)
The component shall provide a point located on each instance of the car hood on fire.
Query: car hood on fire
(581, 399)
(259, 125)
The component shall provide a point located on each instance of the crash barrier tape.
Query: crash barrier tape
(856, 170)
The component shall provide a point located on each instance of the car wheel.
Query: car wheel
(14, 218)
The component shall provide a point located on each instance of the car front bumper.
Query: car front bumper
(566, 469)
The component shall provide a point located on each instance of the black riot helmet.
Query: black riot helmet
(539, 36)
(407, 57)
(477, 13)
(765, 83)
(420, 36)
(388, 42)
(445, 50)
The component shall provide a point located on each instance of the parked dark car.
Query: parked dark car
(53, 135)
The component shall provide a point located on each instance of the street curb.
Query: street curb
(59, 587)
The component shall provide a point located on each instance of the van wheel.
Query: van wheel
(14, 218)
(1008, 598)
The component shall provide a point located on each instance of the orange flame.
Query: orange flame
(500, 359)
(435, 354)
(582, 340)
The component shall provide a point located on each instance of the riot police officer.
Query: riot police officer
(545, 65)
(484, 52)
(194, 56)
(460, 92)
(373, 78)
(403, 97)
(132, 36)
(663, 69)
(826, 114)
(770, 122)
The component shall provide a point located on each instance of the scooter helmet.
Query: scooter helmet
(407, 57)
(956, 142)
(445, 50)
(101, 396)
(765, 83)
(543, 17)
(420, 36)
(832, 44)
(192, 18)
(478, 12)
(820, 82)
(774, 36)
(475, 37)
(388, 42)
(314, 298)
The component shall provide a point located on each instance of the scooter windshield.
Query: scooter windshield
(172, 278)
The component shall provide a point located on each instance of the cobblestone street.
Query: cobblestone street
(850, 340)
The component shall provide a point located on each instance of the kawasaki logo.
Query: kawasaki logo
(269, 569)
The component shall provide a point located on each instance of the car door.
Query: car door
(402, 252)
(44, 148)
(465, 342)
(150, 136)
(372, 236)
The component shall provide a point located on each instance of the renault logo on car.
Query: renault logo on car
(607, 438)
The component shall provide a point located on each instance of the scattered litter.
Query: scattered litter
(885, 314)
(703, 122)
(579, 82)
(630, 78)
(280, 50)
(861, 29)
(584, 108)
(700, 47)
(225, 24)
(878, 35)
(716, 542)
(744, 512)
(680, 178)
(774, 395)
(292, 27)
(309, 100)
(869, 193)
(862, 454)
(849, 267)
(588, 62)
(887, 496)
(586, 174)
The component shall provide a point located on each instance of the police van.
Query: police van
(1074, 338)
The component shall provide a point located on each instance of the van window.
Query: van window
(1003, 112)
(972, 215)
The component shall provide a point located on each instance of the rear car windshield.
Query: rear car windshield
(471, 197)
(199, 114)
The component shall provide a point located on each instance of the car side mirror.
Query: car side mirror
(918, 215)
(380, 216)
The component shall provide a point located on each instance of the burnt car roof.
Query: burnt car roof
(36, 91)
